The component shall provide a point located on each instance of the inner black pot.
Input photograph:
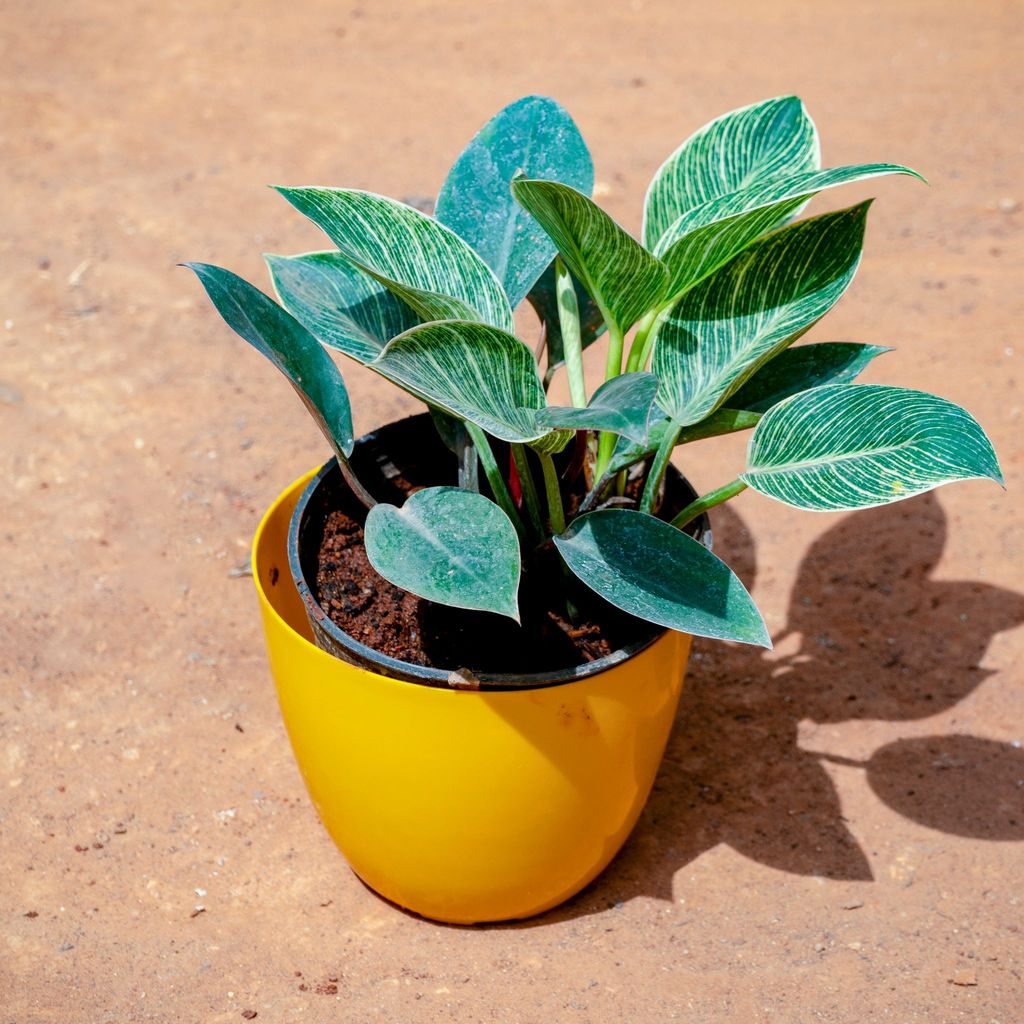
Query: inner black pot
(406, 454)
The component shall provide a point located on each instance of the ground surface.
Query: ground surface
(836, 834)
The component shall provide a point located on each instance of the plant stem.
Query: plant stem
(636, 349)
(554, 493)
(657, 471)
(710, 500)
(529, 489)
(613, 366)
(353, 481)
(569, 323)
(494, 477)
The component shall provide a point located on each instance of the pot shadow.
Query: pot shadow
(870, 634)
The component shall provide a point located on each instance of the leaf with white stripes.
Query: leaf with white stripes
(798, 369)
(421, 261)
(339, 304)
(473, 371)
(719, 333)
(846, 446)
(277, 335)
(654, 571)
(536, 136)
(448, 545)
(705, 237)
(622, 405)
(624, 279)
(765, 140)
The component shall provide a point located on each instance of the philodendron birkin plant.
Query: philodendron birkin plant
(699, 320)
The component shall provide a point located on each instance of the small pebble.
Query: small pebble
(966, 978)
(853, 905)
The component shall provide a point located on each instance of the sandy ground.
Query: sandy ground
(836, 834)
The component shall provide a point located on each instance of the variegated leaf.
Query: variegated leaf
(846, 446)
(624, 279)
(654, 571)
(288, 345)
(719, 333)
(536, 136)
(473, 371)
(803, 367)
(338, 303)
(622, 405)
(765, 140)
(421, 261)
(705, 237)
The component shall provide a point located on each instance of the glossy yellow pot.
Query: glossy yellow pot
(465, 806)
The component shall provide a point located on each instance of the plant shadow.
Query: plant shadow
(870, 634)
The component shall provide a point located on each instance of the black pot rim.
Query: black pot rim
(374, 661)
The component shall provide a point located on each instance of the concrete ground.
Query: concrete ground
(836, 834)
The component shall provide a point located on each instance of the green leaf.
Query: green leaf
(623, 278)
(803, 367)
(847, 446)
(536, 136)
(622, 405)
(472, 371)
(719, 333)
(704, 238)
(765, 140)
(288, 345)
(412, 255)
(447, 545)
(654, 571)
(543, 296)
(338, 303)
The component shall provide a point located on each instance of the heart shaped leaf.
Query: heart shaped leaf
(719, 333)
(658, 573)
(472, 371)
(765, 140)
(846, 446)
(338, 303)
(288, 345)
(623, 278)
(536, 136)
(704, 238)
(798, 369)
(421, 261)
(622, 405)
(447, 545)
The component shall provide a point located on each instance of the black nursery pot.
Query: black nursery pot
(411, 451)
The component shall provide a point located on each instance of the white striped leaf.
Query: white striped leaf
(473, 371)
(846, 446)
(765, 140)
(624, 279)
(798, 369)
(338, 303)
(654, 571)
(277, 335)
(705, 237)
(536, 136)
(421, 261)
(448, 545)
(719, 333)
(622, 405)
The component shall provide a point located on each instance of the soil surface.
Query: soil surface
(836, 834)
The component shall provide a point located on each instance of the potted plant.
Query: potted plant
(478, 618)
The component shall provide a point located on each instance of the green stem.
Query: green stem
(569, 324)
(613, 368)
(710, 500)
(494, 477)
(657, 471)
(649, 339)
(636, 349)
(556, 512)
(529, 490)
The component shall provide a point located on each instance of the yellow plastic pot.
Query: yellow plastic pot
(465, 806)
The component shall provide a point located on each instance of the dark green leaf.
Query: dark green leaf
(654, 571)
(288, 345)
(845, 446)
(622, 405)
(536, 136)
(449, 546)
